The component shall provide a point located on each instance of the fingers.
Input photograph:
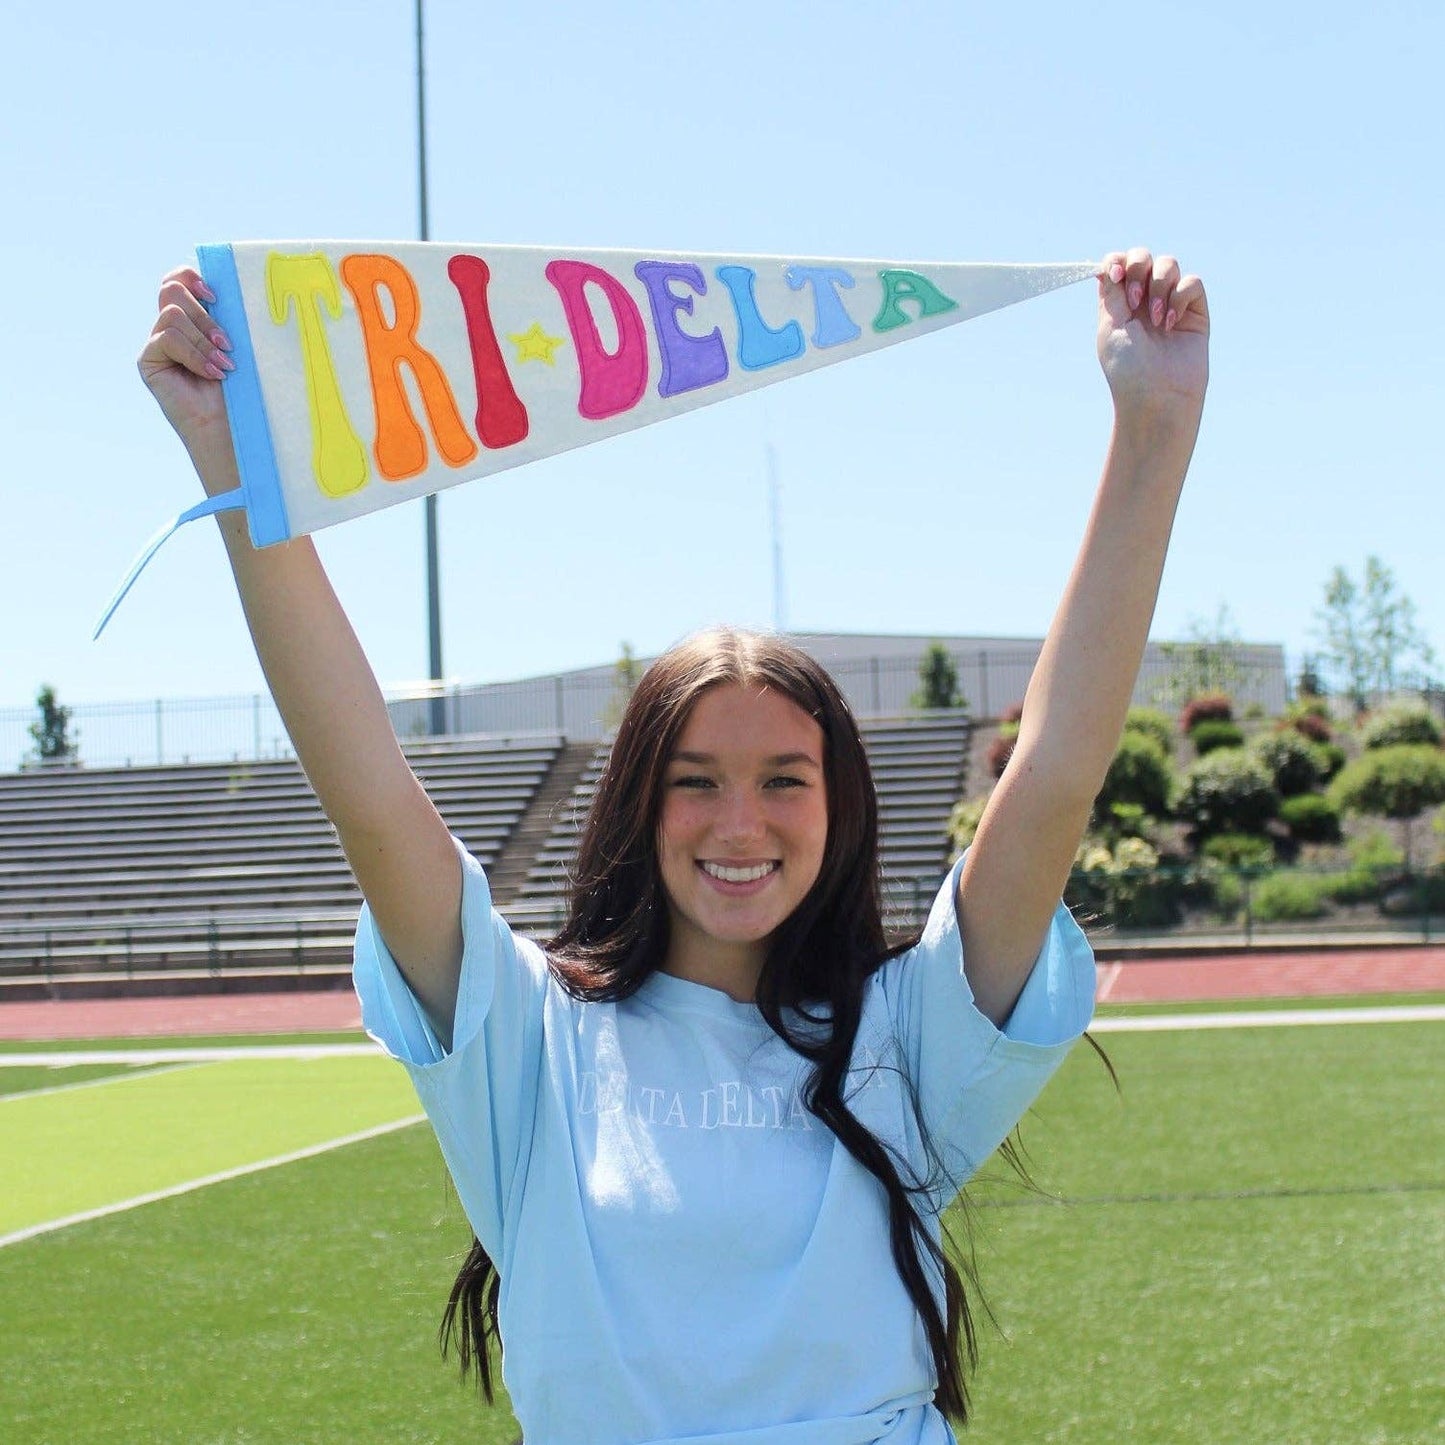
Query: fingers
(184, 333)
(1163, 278)
(1192, 305)
(1137, 285)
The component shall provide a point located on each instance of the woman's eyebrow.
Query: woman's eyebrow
(779, 760)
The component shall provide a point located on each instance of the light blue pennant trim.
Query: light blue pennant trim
(232, 501)
(245, 406)
(260, 491)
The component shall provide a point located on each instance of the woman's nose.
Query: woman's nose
(741, 818)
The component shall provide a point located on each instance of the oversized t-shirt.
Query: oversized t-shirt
(686, 1253)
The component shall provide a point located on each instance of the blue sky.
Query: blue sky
(1287, 153)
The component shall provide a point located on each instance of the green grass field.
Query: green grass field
(1249, 1250)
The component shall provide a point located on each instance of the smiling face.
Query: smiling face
(741, 833)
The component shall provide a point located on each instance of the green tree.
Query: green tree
(937, 681)
(1396, 782)
(626, 674)
(51, 732)
(1309, 685)
(1368, 631)
(1209, 660)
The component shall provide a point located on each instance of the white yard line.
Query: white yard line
(193, 1184)
(128, 1073)
(1108, 976)
(209, 1054)
(1269, 1018)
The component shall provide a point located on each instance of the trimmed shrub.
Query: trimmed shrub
(1229, 791)
(1424, 893)
(963, 822)
(1000, 750)
(1152, 723)
(1284, 897)
(1212, 734)
(1399, 726)
(1207, 707)
(1313, 726)
(1123, 885)
(1331, 758)
(1375, 863)
(1139, 774)
(1311, 818)
(1126, 820)
(1225, 892)
(1375, 850)
(1392, 782)
(1291, 761)
(1239, 850)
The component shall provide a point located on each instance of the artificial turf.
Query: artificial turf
(295, 1305)
(26, 1078)
(76, 1150)
(188, 1041)
(1248, 1248)
(1249, 1252)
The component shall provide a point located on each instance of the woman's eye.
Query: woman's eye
(691, 780)
(783, 781)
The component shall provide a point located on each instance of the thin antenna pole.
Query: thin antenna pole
(437, 719)
(775, 508)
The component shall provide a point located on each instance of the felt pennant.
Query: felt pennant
(369, 374)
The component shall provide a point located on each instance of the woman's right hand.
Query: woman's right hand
(395, 840)
(184, 361)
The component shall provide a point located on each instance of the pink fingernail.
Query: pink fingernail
(206, 293)
(1116, 273)
(219, 338)
(214, 371)
(224, 362)
(1136, 294)
(1156, 312)
(1169, 320)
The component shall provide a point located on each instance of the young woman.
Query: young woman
(705, 1137)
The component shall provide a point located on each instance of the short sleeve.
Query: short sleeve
(973, 1081)
(481, 1097)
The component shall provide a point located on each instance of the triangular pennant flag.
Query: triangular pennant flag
(369, 374)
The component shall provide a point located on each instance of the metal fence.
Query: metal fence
(1208, 904)
(1209, 908)
(582, 705)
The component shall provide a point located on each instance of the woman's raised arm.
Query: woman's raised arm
(1153, 343)
(394, 839)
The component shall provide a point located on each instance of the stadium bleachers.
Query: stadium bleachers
(213, 868)
(210, 874)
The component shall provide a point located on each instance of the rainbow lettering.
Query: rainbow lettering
(372, 373)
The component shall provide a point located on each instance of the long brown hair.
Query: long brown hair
(818, 961)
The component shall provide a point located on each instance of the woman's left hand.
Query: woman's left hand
(1153, 337)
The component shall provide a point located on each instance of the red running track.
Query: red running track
(1276, 973)
(1273, 973)
(144, 1018)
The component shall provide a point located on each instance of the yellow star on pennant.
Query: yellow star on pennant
(534, 344)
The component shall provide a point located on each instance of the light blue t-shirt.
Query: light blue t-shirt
(686, 1253)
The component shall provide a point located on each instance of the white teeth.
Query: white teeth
(738, 875)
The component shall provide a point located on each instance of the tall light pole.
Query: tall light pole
(775, 510)
(433, 586)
